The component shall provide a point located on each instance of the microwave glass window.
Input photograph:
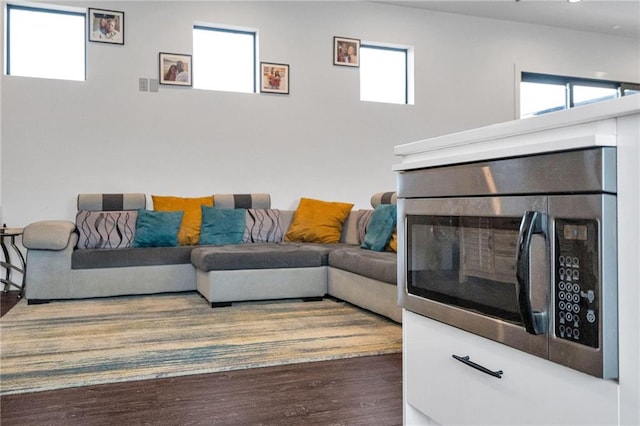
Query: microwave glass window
(467, 262)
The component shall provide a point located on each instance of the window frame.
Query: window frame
(570, 83)
(231, 30)
(407, 80)
(55, 9)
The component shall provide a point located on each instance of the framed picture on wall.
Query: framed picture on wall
(175, 69)
(106, 26)
(346, 51)
(274, 78)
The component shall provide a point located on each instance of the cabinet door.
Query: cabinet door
(531, 391)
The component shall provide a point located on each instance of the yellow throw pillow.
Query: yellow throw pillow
(317, 221)
(393, 243)
(189, 233)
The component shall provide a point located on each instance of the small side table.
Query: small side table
(11, 234)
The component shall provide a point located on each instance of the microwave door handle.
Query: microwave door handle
(532, 223)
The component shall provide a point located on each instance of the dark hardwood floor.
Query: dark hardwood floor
(355, 391)
(7, 301)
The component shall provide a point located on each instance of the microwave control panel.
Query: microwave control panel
(576, 293)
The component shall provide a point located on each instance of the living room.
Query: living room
(103, 135)
(61, 138)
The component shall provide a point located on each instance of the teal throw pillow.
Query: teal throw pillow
(381, 227)
(157, 229)
(222, 226)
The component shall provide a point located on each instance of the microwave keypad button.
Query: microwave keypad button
(576, 333)
(576, 298)
(561, 307)
(561, 260)
(569, 316)
(576, 308)
(591, 316)
(576, 262)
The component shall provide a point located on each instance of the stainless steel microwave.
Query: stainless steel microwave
(519, 250)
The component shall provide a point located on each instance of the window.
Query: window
(224, 59)
(541, 93)
(384, 74)
(45, 43)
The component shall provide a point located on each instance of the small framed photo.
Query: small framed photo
(275, 78)
(175, 69)
(106, 26)
(346, 52)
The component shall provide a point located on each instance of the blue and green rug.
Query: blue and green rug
(85, 342)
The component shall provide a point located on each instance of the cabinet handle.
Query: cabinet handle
(467, 360)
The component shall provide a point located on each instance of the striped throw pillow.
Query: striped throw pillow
(262, 226)
(106, 229)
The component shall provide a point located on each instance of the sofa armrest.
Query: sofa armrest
(48, 234)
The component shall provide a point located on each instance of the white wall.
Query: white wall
(61, 138)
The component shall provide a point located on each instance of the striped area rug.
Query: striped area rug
(86, 342)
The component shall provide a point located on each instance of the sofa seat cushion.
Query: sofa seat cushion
(323, 249)
(381, 266)
(253, 256)
(124, 257)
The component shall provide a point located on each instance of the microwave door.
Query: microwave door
(458, 265)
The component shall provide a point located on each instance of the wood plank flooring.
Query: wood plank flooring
(356, 391)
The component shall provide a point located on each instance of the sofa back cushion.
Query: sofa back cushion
(111, 202)
(242, 201)
(107, 220)
(106, 229)
(262, 226)
(378, 198)
(362, 217)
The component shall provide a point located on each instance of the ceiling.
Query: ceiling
(613, 17)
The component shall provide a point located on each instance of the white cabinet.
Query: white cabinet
(531, 391)
(439, 389)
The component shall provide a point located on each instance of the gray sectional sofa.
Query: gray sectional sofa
(222, 274)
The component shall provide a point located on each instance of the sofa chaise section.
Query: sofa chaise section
(366, 279)
(231, 273)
